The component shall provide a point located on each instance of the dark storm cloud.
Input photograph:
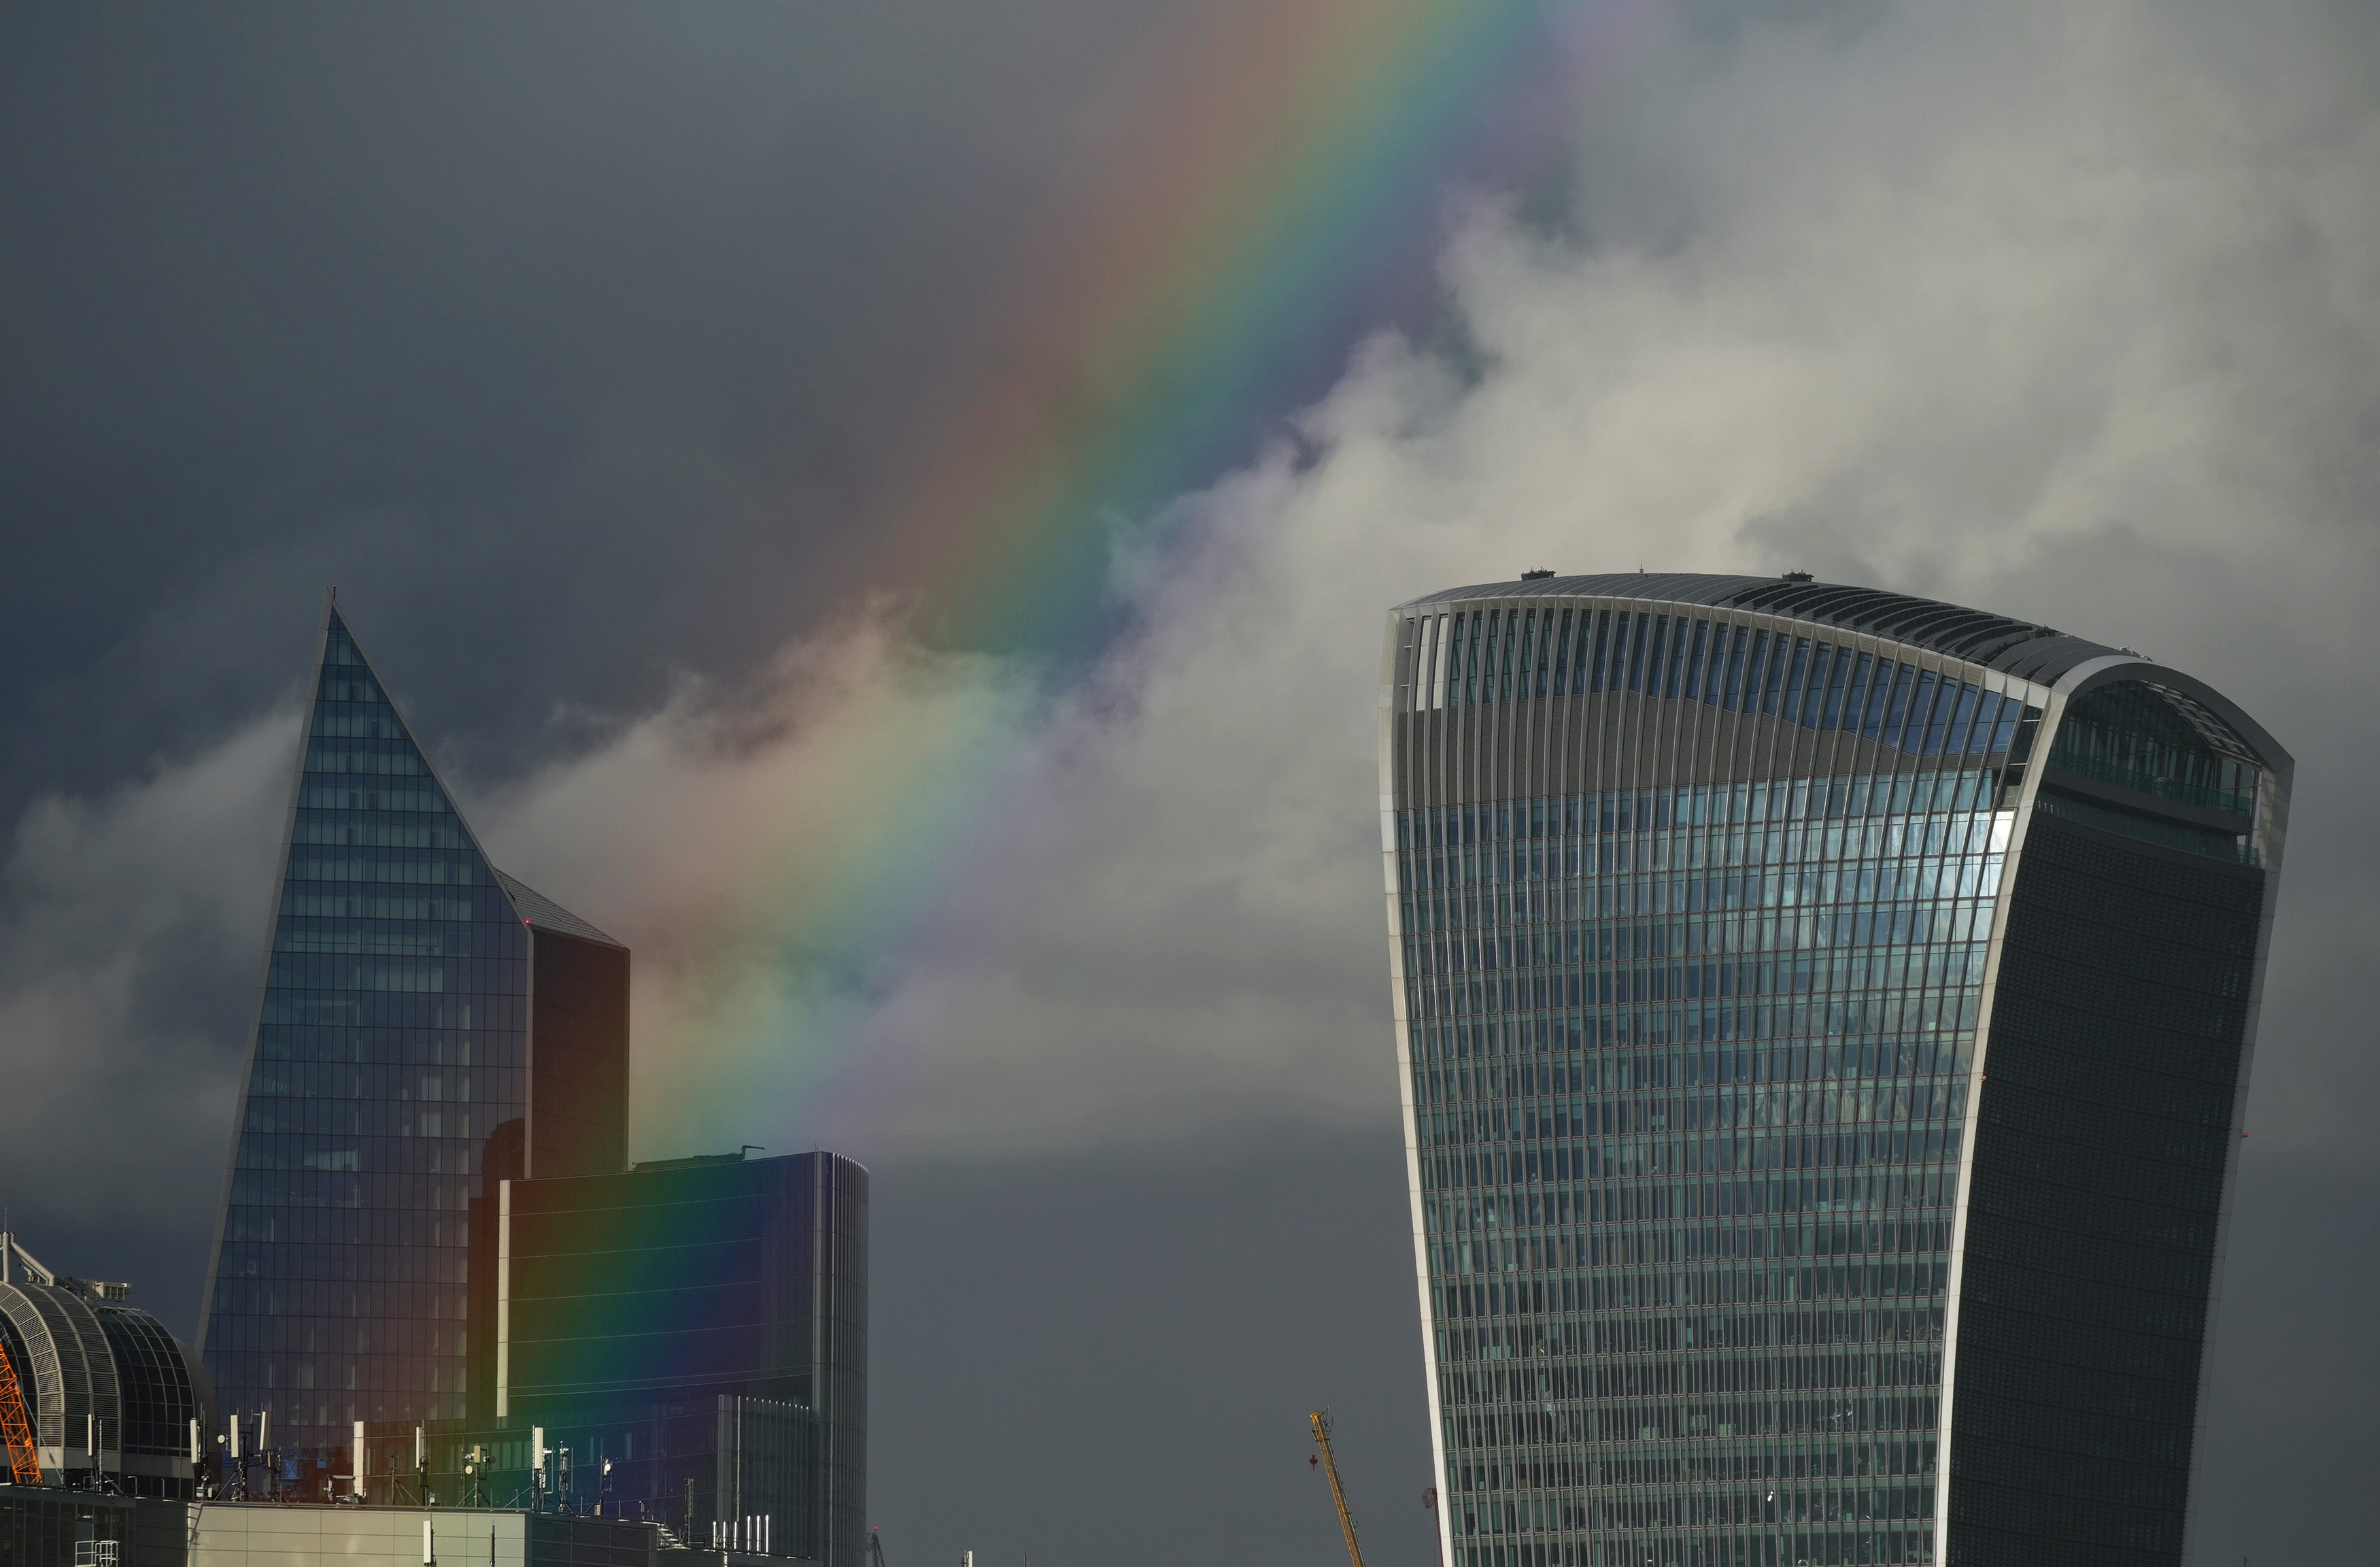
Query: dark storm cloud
(567, 338)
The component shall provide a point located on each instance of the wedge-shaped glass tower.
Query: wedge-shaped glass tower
(1823, 1018)
(427, 1027)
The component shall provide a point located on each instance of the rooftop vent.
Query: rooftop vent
(1797, 577)
(1537, 576)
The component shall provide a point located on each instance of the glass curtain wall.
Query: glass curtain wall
(1694, 906)
(389, 1048)
(1688, 1075)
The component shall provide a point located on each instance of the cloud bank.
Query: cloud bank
(2074, 315)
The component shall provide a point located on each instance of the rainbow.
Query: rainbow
(1261, 169)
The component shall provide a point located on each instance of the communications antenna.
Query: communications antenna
(1331, 1467)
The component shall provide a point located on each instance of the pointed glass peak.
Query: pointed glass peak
(390, 1068)
(350, 704)
(387, 770)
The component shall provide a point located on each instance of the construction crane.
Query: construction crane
(875, 1549)
(1331, 1468)
(17, 1428)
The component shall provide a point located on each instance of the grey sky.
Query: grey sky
(568, 340)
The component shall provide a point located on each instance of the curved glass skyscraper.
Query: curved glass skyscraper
(1823, 1018)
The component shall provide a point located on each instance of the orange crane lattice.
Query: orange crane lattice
(17, 1428)
(1331, 1467)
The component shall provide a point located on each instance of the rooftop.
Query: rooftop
(2013, 647)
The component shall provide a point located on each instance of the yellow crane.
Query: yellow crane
(1331, 1468)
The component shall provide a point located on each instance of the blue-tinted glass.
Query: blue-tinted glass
(1837, 675)
(1689, 1101)
(1855, 693)
(1790, 707)
(388, 1054)
(1937, 717)
(1904, 681)
(1987, 713)
(2135, 737)
(1961, 716)
(1754, 669)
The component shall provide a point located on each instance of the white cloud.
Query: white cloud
(2074, 314)
(2053, 311)
(1961, 311)
(131, 928)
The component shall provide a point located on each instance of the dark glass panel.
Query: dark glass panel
(1905, 680)
(1735, 657)
(2104, 1132)
(1749, 695)
(1796, 676)
(1648, 628)
(2137, 736)
(1987, 714)
(1838, 680)
(1615, 653)
(1782, 654)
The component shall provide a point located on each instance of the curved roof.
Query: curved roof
(73, 1366)
(2012, 646)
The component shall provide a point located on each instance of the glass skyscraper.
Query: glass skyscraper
(427, 1027)
(1824, 1019)
(700, 1326)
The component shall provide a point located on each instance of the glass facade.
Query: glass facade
(156, 1394)
(1696, 916)
(711, 1282)
(393, 1059)
(2098, 1177)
